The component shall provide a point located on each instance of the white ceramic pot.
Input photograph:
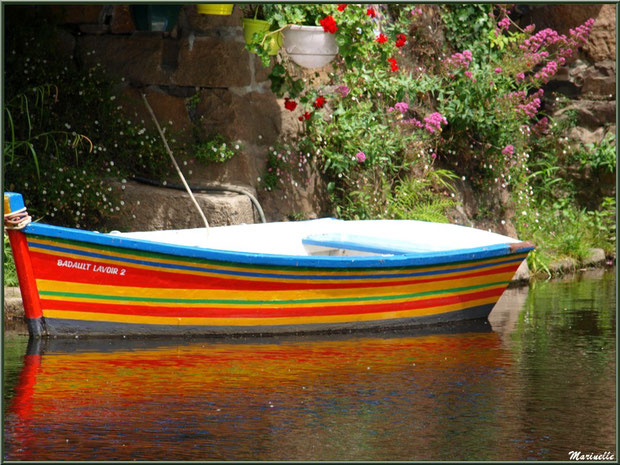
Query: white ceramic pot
(309, 46)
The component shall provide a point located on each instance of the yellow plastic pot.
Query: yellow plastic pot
(252, 26)
(215, 8)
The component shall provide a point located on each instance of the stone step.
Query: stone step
(150, 208)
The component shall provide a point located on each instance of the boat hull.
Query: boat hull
(95, 288)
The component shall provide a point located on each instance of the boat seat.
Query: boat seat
(363, 244)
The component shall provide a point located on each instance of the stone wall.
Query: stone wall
(198, 77)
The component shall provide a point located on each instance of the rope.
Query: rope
(174, 162)
(17, 220)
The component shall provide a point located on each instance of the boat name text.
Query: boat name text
(90, 267)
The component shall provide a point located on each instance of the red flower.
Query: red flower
(342, 6)
(306, 115)
(319, 102)
(381, 39)
(371, 12)
(400, 40)
(329, 24)
(289, 104)
(393, 64)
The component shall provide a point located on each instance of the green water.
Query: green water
(535, 382)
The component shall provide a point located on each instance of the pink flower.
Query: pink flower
(433, 155)
(360, 157)
(508, 150)
(504, 23)
(470, 75)
(402, 107)
(520, 77)
(498, 70)
(343, 91)
(434, 121)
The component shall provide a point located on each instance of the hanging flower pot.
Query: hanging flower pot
(309, 46)
(215, 8)
(252, 26)
(161, 18)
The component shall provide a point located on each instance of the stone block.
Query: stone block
(77, 14)
(600, 79)
(207, 62)
(523, 273)
(122, 21)
(170, 111)
(592, 114)
(562, 266)
(243, 169)
(137, 57)
(253, 117)
(149, 208)
(602, 41)
(595, 258)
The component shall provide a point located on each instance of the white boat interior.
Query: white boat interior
(329, 236)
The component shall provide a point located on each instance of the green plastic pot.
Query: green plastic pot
(215, 8)
(253, 26)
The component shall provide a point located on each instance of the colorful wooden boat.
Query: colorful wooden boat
(290, 277)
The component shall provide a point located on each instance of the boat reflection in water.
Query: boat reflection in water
(364, 396)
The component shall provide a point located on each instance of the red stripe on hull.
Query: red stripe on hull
(46, 268)
(267, 311)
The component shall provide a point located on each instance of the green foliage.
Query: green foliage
(10, 273)
(467, 26)
(600, 156)
(286, 166)
(414, 198)
(216, 150)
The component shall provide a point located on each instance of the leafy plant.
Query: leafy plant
(217, 149)
(600, 156)
(10, 273)
(414, 198)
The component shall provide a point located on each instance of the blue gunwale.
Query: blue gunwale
(407, 259)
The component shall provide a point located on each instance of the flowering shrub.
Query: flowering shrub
(400, 103)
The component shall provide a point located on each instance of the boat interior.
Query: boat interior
(329, 237)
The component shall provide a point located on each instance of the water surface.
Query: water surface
(535, 382)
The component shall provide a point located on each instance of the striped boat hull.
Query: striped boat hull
(87, 288)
